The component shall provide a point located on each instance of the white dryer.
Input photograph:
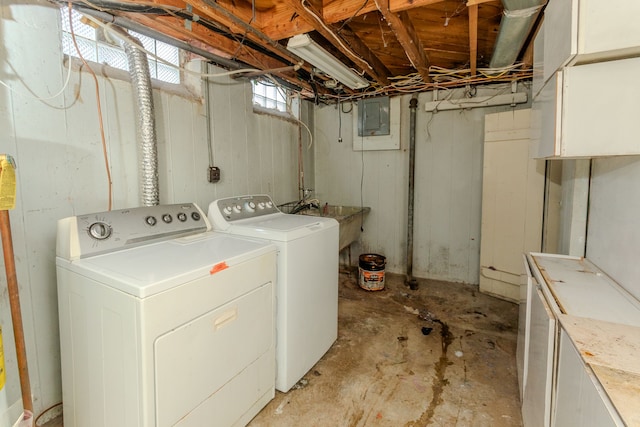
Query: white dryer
(307, 284)
(163, 323)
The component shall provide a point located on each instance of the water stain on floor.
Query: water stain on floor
(384, 370)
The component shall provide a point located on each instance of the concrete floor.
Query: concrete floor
(384, 371)
(443, 355)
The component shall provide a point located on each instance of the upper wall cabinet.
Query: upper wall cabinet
(589, 110)
(582, 31)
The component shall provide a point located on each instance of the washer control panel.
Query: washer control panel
(235, 208)
(97, 233)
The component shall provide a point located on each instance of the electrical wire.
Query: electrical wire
(291, 115)
(338, 39)
(35, 422)
(410, 83)
(38, 98)
(349, 19)
(98, 102)
(108, 27)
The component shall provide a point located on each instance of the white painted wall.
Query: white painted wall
(613, 237)
(449, 148)
(61, 172)
(574, 206)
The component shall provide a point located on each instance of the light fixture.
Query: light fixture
(310, 51)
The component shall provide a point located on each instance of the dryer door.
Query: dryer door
(206, 369)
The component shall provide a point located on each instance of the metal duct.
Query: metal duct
(517, 21)
(146, 125)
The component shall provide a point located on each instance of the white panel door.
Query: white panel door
(512, 202)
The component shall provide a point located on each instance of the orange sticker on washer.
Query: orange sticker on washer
(218, 267)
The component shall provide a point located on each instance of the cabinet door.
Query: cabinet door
(568, 122)
(579, 401)
(536, 405)
(524, 316)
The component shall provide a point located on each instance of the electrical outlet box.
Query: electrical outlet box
(214, 174)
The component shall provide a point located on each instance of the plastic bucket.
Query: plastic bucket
(371, 272)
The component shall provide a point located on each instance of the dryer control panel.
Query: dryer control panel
(223, 211)
(102, 232)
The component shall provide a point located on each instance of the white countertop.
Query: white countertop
(581, 289)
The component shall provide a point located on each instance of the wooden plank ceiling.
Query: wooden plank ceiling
(399, 46)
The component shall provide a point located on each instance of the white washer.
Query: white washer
(163, 323)
(307, 284)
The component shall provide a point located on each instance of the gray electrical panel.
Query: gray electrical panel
(373, 116)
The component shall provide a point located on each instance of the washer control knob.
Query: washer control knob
(151, 220)
(237, 208)
(227, 210)
(251, 206)
(167, 218)
(100, 230)
(269, 204)
(182, 217)
(195, 216)
(260, 205)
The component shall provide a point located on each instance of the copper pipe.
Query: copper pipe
(16, 315)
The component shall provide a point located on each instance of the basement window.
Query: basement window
(274, 99)
(98, 46)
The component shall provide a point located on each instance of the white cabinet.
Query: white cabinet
(536, 403)
(580, 400)
(577, 115)
(581, 340)
(580, 31)
(524, 310)
(585, 90)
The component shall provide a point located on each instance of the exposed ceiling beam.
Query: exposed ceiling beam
(400, 5)
(381, 72)
(218, 13)
(473, 38)
(404, 31)
(477, 2)
(338, 11)
(527, 56)
(355, 52)
(281, 23)
(206, 39)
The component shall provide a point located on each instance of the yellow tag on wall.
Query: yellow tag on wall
(3, 375)
(7, 182)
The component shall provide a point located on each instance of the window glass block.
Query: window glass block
(105, 51)
(113, 57)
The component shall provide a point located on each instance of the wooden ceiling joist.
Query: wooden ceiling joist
(404, 31)
(280, 23)
(473, 38)
(383, 38)
(220, 14)
(204, 39)
(355, 51)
